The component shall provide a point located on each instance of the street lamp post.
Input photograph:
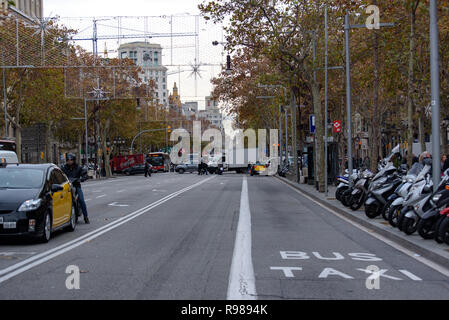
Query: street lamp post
(435, 88)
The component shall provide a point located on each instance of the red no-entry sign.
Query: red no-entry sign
(337, 126)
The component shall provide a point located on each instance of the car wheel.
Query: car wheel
(127, 173)
(44, 232)
(181, 171)
(73, 219)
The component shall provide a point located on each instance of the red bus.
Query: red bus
(120, 163)
(160, 161)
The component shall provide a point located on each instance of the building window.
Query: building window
(156, 62)
(164, 87)
(123, 55)
(163, 80)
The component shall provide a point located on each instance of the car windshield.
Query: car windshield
(16, 178)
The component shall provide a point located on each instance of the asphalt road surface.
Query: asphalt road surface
(194, 237)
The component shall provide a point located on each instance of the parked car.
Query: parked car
(136, 169)
(35, 201)
(186, 167)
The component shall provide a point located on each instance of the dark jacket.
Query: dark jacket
(75, 172)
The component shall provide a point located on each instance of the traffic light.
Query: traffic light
(169, 129)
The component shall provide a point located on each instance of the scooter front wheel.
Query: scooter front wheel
(426, 228)
(409, 226)
(443, 230)
(385, 210)
(372, 210)
(393, 215)
(357, 201)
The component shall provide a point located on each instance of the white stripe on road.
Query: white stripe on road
(391, 243)
(36, 260)
(102, 196)
(242, 283)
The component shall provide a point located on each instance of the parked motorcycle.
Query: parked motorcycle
(343, 185)
(442, 234)
(426, 206)
(382, 186)
(421, 189)
(360, 190)
(346, 195)
(430, 220)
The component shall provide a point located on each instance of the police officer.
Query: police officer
(74, 171)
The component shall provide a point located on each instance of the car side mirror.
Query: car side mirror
(56, 188)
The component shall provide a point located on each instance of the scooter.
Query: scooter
(360, 191)
(428, 204)
(442, 234)
(429, 222)
(346, 195)
(381, 184)
(342, 186)
(392, 211)
(422, 189)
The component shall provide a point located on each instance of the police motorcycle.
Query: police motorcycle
(421, 189)
(428, 212)
(382, 186)
(360, 190)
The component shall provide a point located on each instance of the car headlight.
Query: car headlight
(30, 205)
(436, 197)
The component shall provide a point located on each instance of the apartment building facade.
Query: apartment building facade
(148, 56)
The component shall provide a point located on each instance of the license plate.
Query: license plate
(9, 225)
(1, 220)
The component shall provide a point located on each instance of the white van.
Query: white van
(9, 156)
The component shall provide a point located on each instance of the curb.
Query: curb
(422, 251)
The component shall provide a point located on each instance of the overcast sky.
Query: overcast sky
(81, 8)
(207, 55)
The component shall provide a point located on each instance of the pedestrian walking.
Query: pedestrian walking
(147, 169)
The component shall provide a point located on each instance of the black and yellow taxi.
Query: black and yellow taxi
(35, 200)
(258, 169)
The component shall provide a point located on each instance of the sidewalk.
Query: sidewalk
(438, 253)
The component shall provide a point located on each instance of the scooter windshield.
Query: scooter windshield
(423, 173)
(388, 167)
(416, 169)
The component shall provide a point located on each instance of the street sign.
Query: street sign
(337, 126)
(312, 126)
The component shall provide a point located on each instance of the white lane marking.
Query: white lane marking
(102, 196)
(116, 204)
(391, 243)
(120, 191)
(87, 200)
(242, 283)
(38, 259)
(8, 254)
(410, 275)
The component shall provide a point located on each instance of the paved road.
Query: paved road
(196, 237)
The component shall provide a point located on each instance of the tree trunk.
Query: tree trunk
(411, 76)
(422, 137)
(48, 149)
(107, 165)
(376, 111)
